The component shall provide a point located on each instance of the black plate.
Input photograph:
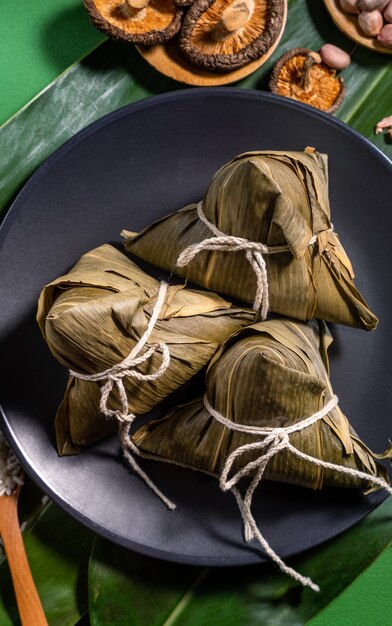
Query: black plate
(124, 171)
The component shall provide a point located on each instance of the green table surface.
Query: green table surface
(39, 41)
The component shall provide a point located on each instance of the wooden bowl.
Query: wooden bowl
(167, 59)
(348, 24)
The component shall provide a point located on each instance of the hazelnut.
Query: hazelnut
(370, 5)
(388, 12)
(334, 57)
(385, 36)
(349, 6)
(370, 22)
(384, 124)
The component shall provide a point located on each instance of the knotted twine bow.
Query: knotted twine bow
(114, 377)
(253, 251)
(276, 440)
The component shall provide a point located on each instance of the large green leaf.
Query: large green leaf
(127, 589)
(58, 550)
(131, 590)
(110, 77)
(97, 85)
(356, 599)
(38, 41)
(115, 75)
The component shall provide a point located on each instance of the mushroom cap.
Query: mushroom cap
(252, 40)
(326, 90)
(156, 23)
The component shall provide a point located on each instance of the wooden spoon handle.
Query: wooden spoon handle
(29, 605)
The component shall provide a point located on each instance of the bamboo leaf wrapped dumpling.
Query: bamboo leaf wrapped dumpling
(269, 411)
(94, 316)
(269, 375)
(278, 202)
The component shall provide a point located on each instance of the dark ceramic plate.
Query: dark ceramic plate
(124, 171)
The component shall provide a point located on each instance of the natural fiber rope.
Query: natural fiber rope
(114, 377)
(253, 251)
(276, 440)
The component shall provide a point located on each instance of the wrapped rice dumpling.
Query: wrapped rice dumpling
(268, 412)
(94, 316)
(273, 205)
(270, 375)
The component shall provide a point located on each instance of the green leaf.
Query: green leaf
(368, 79)
(109, 78)
(112, 76)
(373, 102)
(128, 589)
(38, 41)
(115, 75)
(354, 601)
(58, 549)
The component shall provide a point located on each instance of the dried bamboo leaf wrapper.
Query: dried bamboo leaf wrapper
(78, 423)
(93, 317)
(270, 374)
(273, 198)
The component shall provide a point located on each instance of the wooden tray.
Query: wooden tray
(167, 59)
(348, 24)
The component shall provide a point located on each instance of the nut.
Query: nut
(370, 22)
(388, 12)
(370, 5)
(334, 57)
(384, 124)
(385, 36)
(349, 6)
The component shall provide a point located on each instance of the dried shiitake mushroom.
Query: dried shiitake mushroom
(141, 21)
(300, 74)
(222, 35)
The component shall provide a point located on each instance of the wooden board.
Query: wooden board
(167, 59)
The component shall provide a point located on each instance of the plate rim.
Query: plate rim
(11, 214)
(190, 93)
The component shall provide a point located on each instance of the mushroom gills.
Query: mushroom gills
(300, 74)
(144, 22)
(222, 35)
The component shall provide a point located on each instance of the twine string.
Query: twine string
(253, 251)
(275, 440)
(113, 378)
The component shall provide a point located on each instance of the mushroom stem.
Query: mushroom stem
(137, 4)
(310, 60)
(232, 19)
(133, 9)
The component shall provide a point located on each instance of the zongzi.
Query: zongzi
(271, 374)
(95, 316)
(269, 411)
(262, 235)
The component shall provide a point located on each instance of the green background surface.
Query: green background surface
(41, 39)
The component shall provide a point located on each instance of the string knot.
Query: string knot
(281, 438)
(125, 418)
(113, 377)
(274, 440)
(254, 252)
